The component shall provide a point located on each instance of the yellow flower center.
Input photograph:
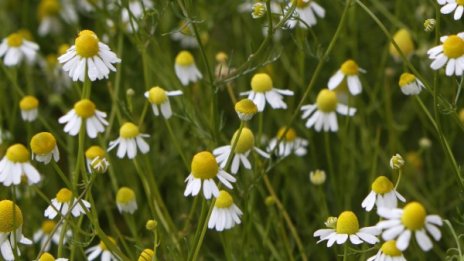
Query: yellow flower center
(94, 151)
(245, 142)
(453, 47)
(103, 246)
(389, 248)
(350, 67)
(184, 58)
(146, 255)
(404, 41)
(11, 217)
(382, 185)
(64, 195)
(63, 48)
(224, 200)
(221, 57)
(28, 103)
(413, 216)
(347, 223)
(51, 60)
(407, 78)
(185, 28)
(261, 82)
(43, 143)
(48, 226)
(85, 108)
(128, 130)
(17, 153)
(326, 101)
(87, 44)
(157, 95)
(48, 8)
(204, 165)
(301, 3)
(125, 195)
(289, 136)
(246, 106)
(14, 40)
(460, 2)
(46, 257)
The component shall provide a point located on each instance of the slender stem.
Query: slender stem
(61, 174)
(456, 238)
(176, 143)
(61, 240)
(345, 252)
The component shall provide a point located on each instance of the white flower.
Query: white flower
(84, 111)
(410, 85)
(43, 146)
(15, 48)
(65, 202)
(184, 35)
(307, 11)
(225, 213)
(95, 159)
(129, 140)
(44, 234)
(289, 144)
(323, 112)
(136, 10)
(451, 53)
(452, 5)
(125, 200)
(262, 90)
(383, 195)
(349, 72)
(400, 224)
(186, 69)
(88, 54)
(15, 164)
(29, 106)
(159, 100)
(388, 252)
(204, 169)
(101, 249)
(245, 109)
(49, 13)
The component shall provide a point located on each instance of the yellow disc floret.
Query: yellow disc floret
(11, 217)
(94, 151)
(413, 216)
(46, 257)
(301, 3)
(14, 40)
(350, 67)
(48, 226)
(28, 103)
(125, 195)
(406, 78)
(246, 106)
(453, 47)
(64, 195)
(389, 248)
(326, 101)
(146, 255)
(48, 8)
(85, 108)
(382, 185)
(347, 223)
(63, 48)
(460, 2)
(87, 44)
(245, 142)
(184, 58)
(204, 165)
(17, 153)
(103, 246)
(224, 200)
(261, 82)
(404, 41)
(129, 130)
(157, 95)
(43, 143)
(289, 136)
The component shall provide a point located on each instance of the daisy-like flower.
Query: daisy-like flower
(101, 249)
(49, 13)
(88, 54)
(409, 84)
(348, 72)
(84, 111)
(146, 255)
(185, 36)
(449, 53)
(15, 164)
(383, 195)
(125, 200)
(245, 109)
(11, 222)
(323, 113)
(186, 69)
(347, 227)
(245, 143)
(403, 39)
(449, 6)
(159, 100)
(43, 146)
(400, 224)
(262, 90)
(129, 140)
(95, 158)
(29, 106)
(15, 48)
(289, 144)
(204, 170)
(389, 252)
(225, 213)
(56, 77)
(49, 257)
(44, 234)
(65, 202)
(307, 11)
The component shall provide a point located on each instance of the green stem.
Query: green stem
(176, 143)
(61, 240)
(345, 252)
(455, 237)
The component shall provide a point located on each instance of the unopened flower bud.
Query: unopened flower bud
(396, 162)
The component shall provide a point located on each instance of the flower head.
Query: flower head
(289, 143)
(396, 161)
(48, 257)
(129, 140)
(45, 236)
(65, 202)
(11, 222)
(15, 48)
(29, 106)
(225, 213)
(449, 53)
(184, 35)
(383, 194)
(258, 10)
(388, 251)
(307, 11)
(49, 12)
(84, 111)
(159, 99)
(146, 255)
(125, 200)
(348, 72)
(246, 109)
(186, 69)
(43, 146)
(15, 164)
(449, 6)
(409, 84)
(317, 177)
(403, 39)
(96, 160)
(101, 249)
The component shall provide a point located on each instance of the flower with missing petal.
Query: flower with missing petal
(307, 11)
(46, 238)
(349, 72)
(65, 202)
(159, 99)
(101, 249)
(289, 143)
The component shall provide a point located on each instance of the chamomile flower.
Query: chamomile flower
(204, 170)
(129, 140)
(95, 158)
(347, 227)
(11, 222)
(43, 146)
(245, 143)
(146, 255)
(29, 106)
(289, 144)
(15, 164)
(48, 257)
(317, 177)
(134, 11)
(322, 115)
(449, 53)
(159, 100)
(15, 48)
(89, 55)
(101, 249)
(44, 234)
(184, 35)
(383, 195)
(245, 109)
(389, 252)
(84, 111)
(49, 13)
(348, 72)
(125, 200)
(186, 69)
(65, 202)
(403, 40)
(307, 11)
(225, 213)
(456, 6)
(400, 224)
(262, 90)
(409, 84)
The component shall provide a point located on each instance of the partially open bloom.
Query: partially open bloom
(49, 13)
(159, 99)
(307, 11)
(84, 111)
(44, 234)
(383, 195)
(125, 200)
(348, 227)
(130, 15)
(323, 114)
(317, 177)
(204, 170)
(400, 224)
(225, 213)
(245, 109)
(43, 146)
(29, 106)
(89, 55)
(96, 160)
(11, 223)
(146, 255)
(48, 257)
(184, 35)
(245, 143)
(409, 84)
(101, 249)
(129, 140)
(388, 251)
(262, 90)
(403, 39)
(15, 164)
(449, 6)
(289, 144)
(449, 53)
(396, 161)
(15, 48)
(186, 69)
(348, 72)
(65, 202)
